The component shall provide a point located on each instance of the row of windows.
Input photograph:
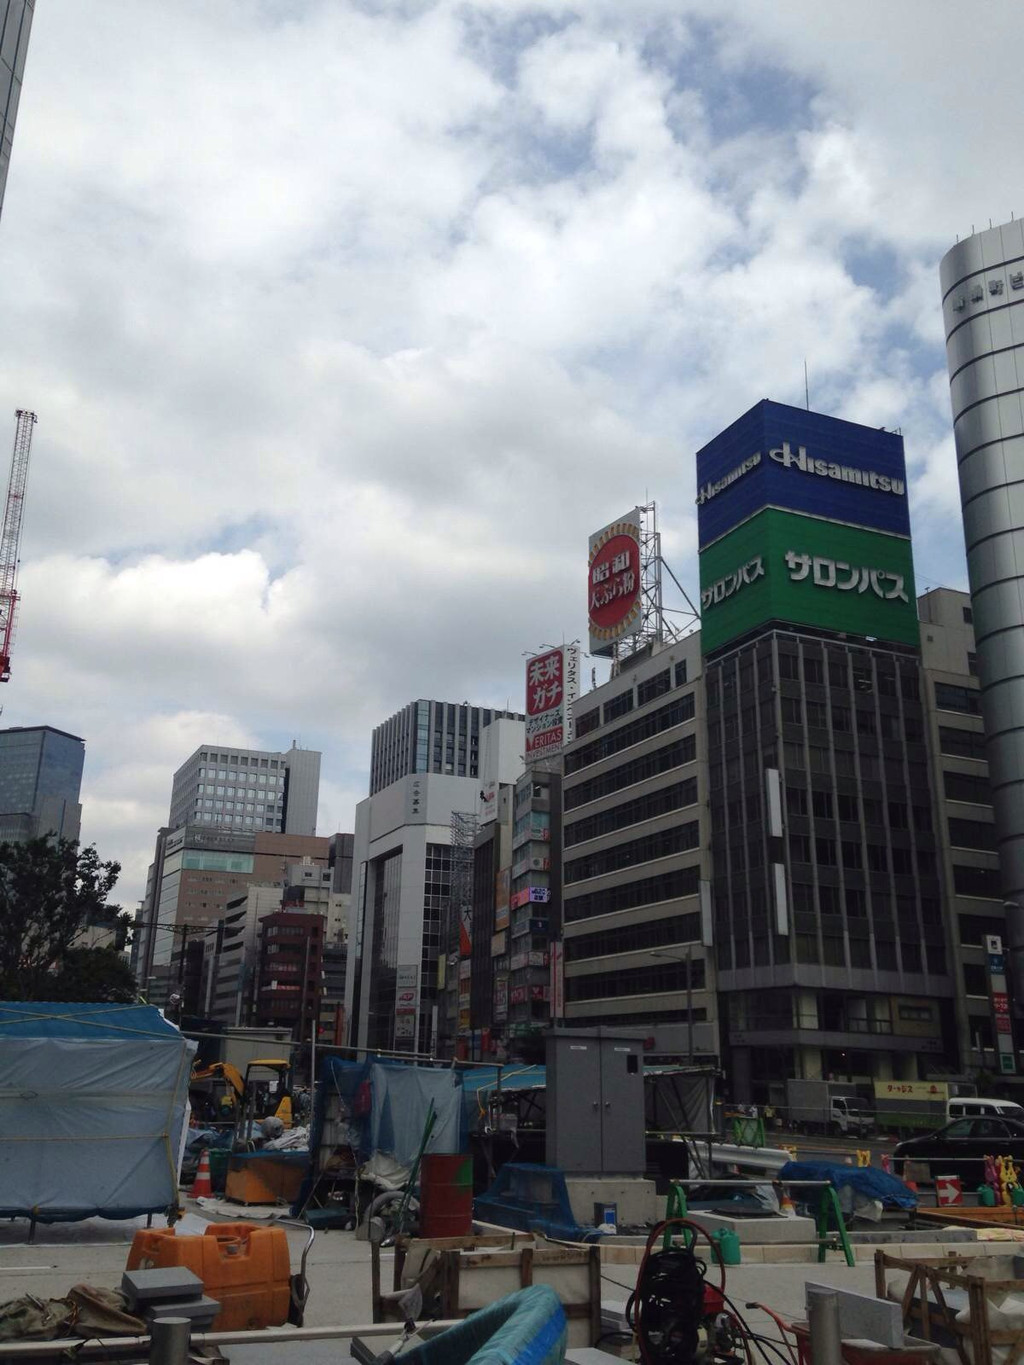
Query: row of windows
(235, 821)
(845, 806)
(951, 698)
(683, 881)
(620, 706)
(977, 881)
(962, 743)
(631, 938)
(972, 834)
(967, 787)
(243, 762)
(635, 852)
(675, 713)
(746, 953)
(636, 770)
(666, 976)
(677, 796)
(261, 779)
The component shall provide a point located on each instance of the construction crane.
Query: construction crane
(10, 539)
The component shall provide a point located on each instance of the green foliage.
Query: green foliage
(94, 974)
(49, 894)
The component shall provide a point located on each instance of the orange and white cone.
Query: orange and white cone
(201, 1186)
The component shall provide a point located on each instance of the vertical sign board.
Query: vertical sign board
(552, 685)
(614, 606)
(1002, 1020)
(407, 980)
(557, 965)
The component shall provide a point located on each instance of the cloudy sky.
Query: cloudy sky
(347, 320)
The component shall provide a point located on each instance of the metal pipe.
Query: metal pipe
(169, 1341)
(267, 1336)
(823, 1321)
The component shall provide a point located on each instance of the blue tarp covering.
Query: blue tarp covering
(524, 1328)
(526, 1196)
(865, 1180)
(92, 1107)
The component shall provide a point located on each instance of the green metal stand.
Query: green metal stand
(747, 1132)
(832, 1239)
(676, 1208)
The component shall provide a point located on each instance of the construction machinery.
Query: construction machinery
(10, 538)
(226, 1095)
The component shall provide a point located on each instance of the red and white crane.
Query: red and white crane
(10, 539)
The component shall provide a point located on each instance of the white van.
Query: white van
(972, 1106)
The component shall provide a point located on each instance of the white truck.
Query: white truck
(827, 1107)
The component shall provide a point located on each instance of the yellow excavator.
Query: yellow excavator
(221, 1093)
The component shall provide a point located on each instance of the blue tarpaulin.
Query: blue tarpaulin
(92, 1106)
(524, 1328)
(866, 1180)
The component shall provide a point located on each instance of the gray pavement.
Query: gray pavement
(94, 1252)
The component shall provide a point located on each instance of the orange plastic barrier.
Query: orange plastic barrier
(245, 1268)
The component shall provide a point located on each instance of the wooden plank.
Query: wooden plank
(526, 1267)
(375, 1304)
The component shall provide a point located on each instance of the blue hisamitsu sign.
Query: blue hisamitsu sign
(779, 456)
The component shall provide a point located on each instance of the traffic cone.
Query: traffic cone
(201, 1186)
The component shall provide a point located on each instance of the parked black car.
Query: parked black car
(961, 1148)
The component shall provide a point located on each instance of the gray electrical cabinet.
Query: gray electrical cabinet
(595, 1101)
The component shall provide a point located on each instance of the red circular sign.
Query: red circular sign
(614, 582)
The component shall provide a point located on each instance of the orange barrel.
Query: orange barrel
(446, 1196)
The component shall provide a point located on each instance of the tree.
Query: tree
(49, 894)
(94, 974)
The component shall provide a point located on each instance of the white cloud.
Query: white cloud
(345, 324)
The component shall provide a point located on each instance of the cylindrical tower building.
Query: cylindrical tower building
(983, 310)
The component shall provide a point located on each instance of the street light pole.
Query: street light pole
(688, 959)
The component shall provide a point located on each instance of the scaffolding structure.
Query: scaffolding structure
(655, 625)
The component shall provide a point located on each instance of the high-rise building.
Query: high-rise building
(247, 790)
(636, 854)
(963, 804)
(15, 26)
(197, 870)
(983, 313)
(402, 874)
(430, 737)
(828, 900)
(40, 783)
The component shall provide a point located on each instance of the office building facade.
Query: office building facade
(15, 26)
(982, 281)
(635, 855)
(430, 737)
(402, 890)
(247, 790)
(40, 783)
(828, 902)
(962, 795)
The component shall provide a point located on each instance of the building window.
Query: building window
(964, 699)
(637, 770)
(654, 687)
(968, 616)
(630, 938)
(646, 807)
(618, 706)
(684, 881)
(972, 834)
(977, 881)
(587, 722)
(635, 853)
(966, 787)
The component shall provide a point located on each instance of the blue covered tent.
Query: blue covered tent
(92, 1105)
(864, 1180)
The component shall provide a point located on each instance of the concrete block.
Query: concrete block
(863, 1316)
(200, 1312)
(174, 1283)
(637, 1200)
(758, 1231)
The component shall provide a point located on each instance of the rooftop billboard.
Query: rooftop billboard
(781, 566)
(614, 583)
(779, 456)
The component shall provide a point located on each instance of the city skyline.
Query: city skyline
(492, 279)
